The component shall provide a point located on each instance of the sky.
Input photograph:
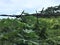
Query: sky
(30, 6)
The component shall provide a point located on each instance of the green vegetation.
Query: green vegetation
(28, 32)
(51, 10)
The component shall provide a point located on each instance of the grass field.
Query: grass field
(28, 31)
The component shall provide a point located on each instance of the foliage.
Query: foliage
(28, 31)
(16, 32)
(51, 10)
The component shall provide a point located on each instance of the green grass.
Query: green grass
(28, 32)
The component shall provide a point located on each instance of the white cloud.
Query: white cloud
(14, 6)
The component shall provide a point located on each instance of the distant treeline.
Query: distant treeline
(50, 11)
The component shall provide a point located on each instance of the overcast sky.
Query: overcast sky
(16, 6)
